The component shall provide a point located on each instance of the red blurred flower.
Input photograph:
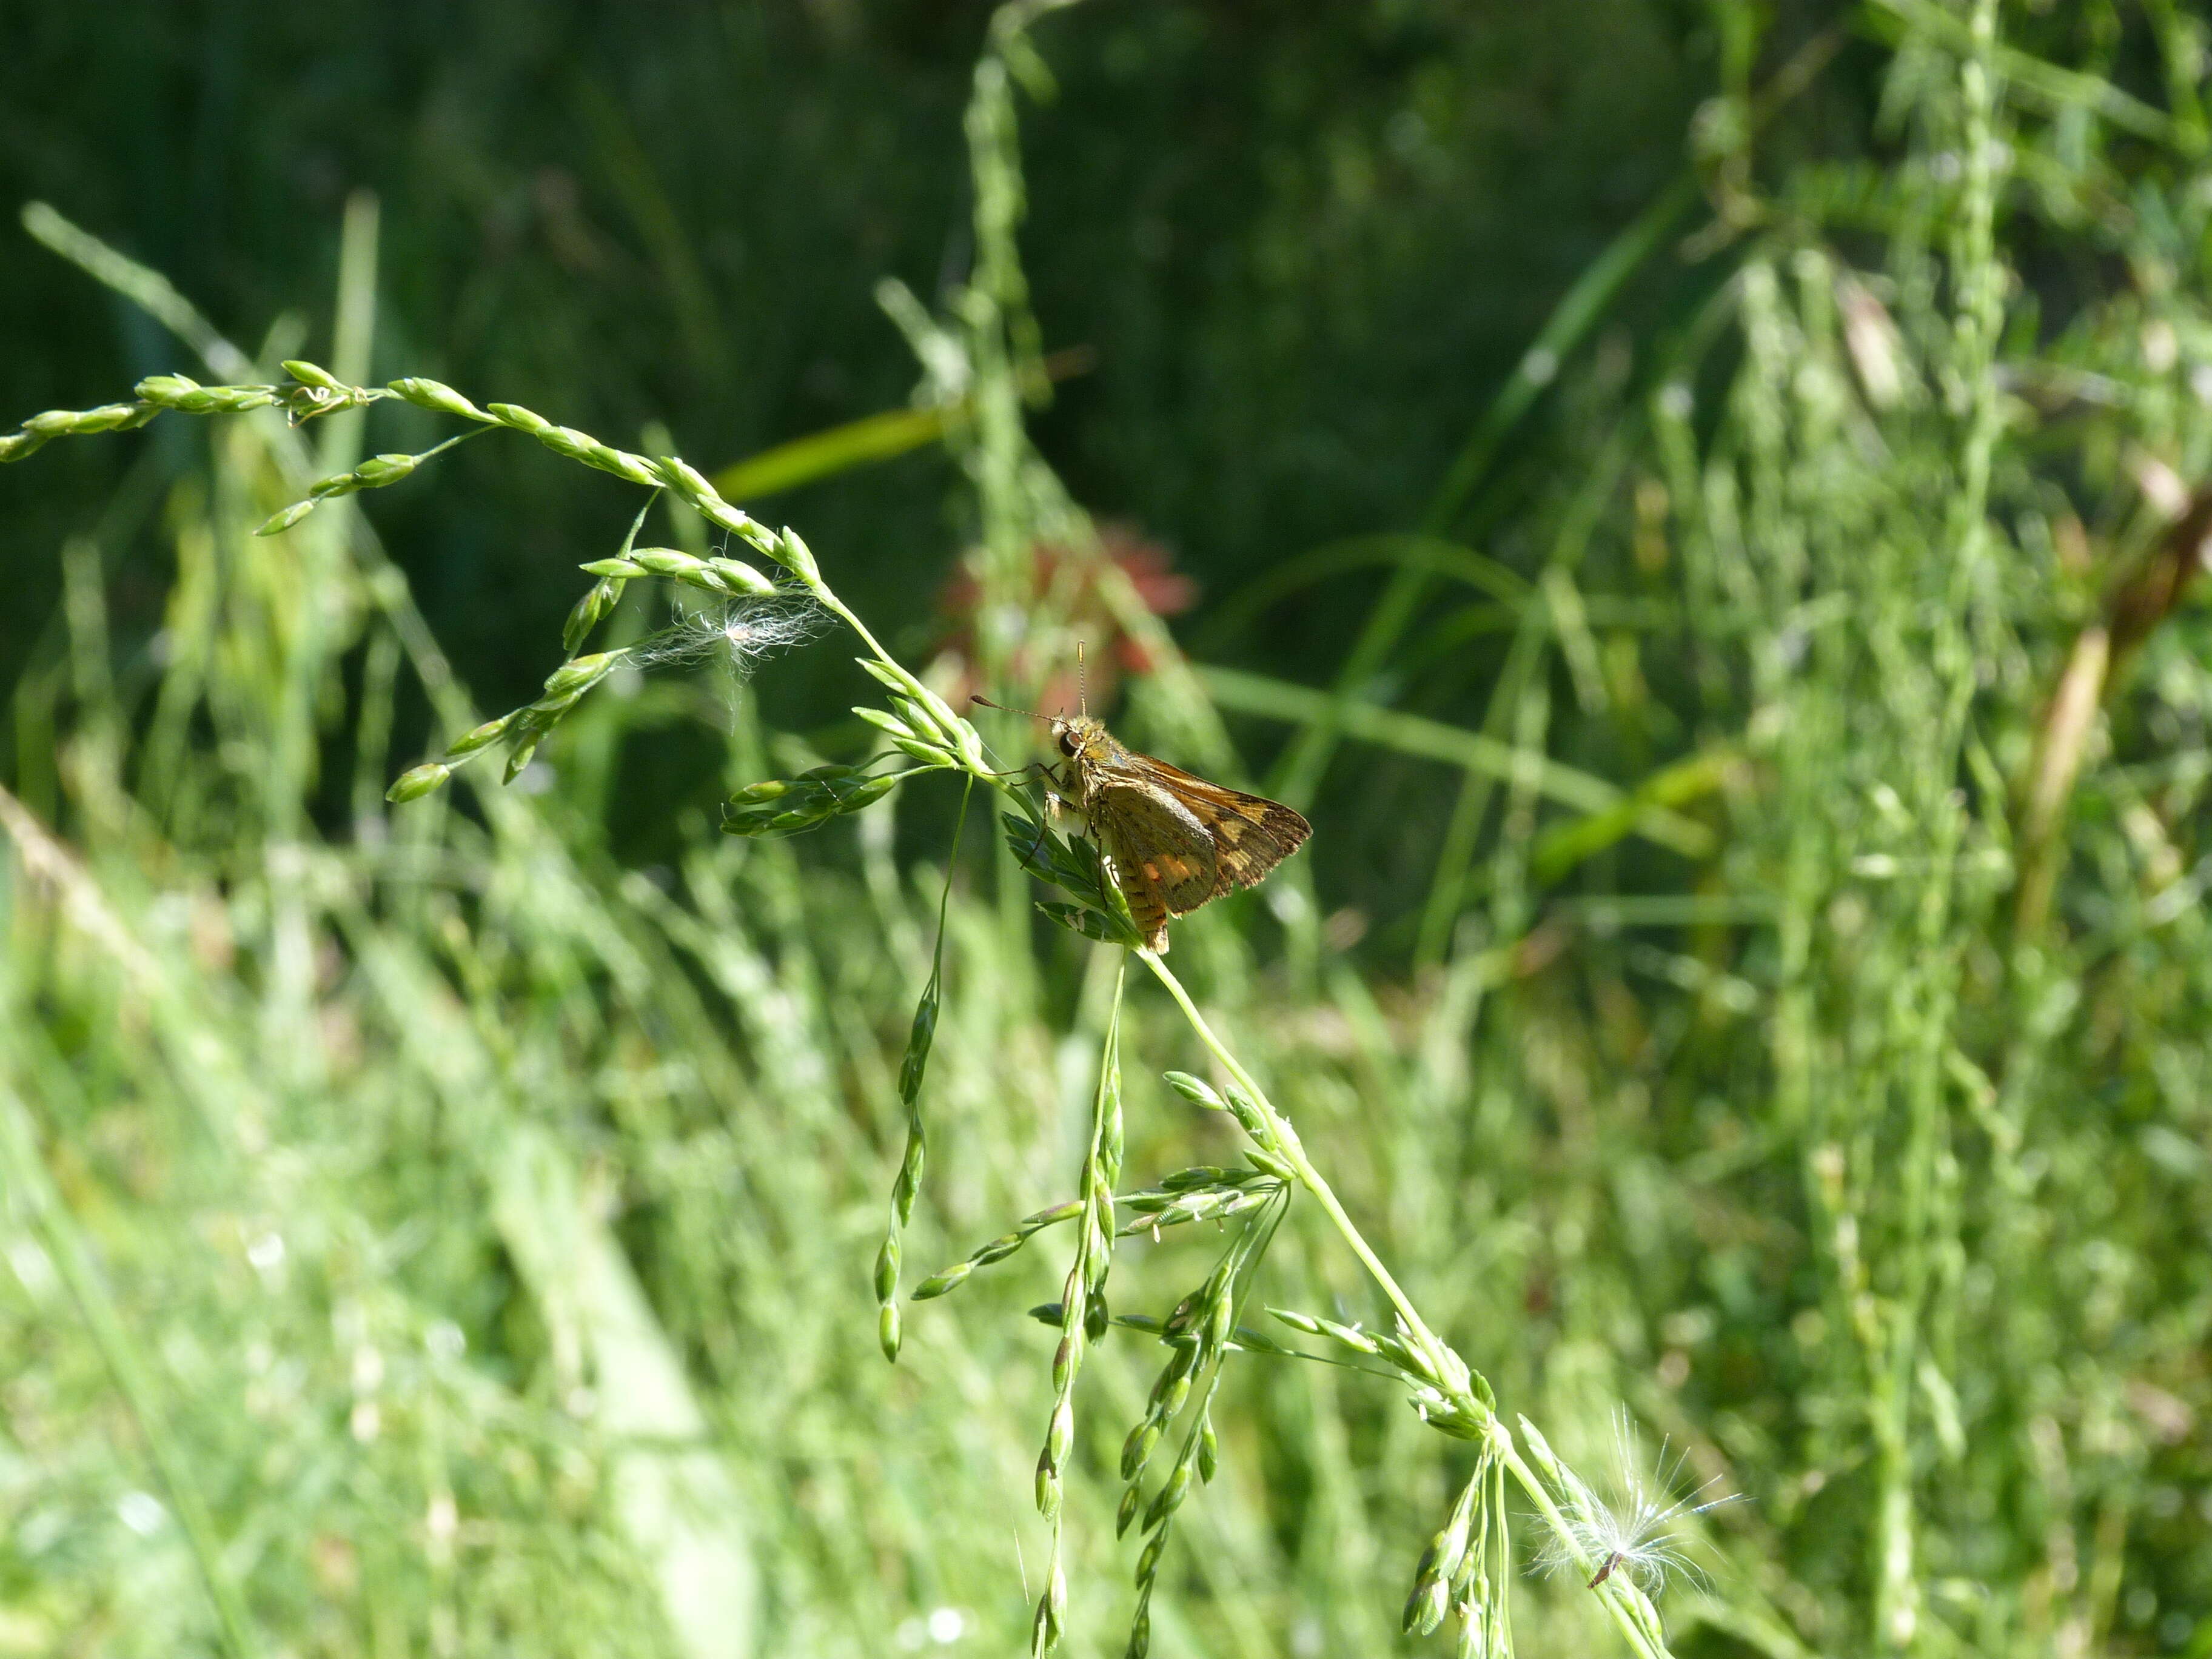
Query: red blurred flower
(1062, 579)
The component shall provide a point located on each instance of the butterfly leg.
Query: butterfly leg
(1063, 799)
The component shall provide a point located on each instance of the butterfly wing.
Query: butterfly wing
(1163, 857)
(1251, 835)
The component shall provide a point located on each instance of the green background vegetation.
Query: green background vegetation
(1700, 501)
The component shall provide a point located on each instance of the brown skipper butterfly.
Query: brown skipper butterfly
(1172, 841)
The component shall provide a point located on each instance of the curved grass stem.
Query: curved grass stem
(1455, 1380)
(1293, 1152)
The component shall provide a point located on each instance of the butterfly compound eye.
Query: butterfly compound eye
(1069, 742)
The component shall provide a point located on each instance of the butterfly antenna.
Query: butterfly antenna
(1082, 692)
(1004, 709)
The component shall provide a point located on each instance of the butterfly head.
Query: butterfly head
(1081, 738)
(1078, 737)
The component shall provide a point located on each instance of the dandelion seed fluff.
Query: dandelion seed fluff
(737, 633)
(1636, 1530)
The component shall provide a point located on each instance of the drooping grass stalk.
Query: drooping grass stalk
(913, 1069)
(1202, 1329)
(1083, 1317)
(1465, 1401)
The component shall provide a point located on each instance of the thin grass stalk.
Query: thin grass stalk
(1467, 1394)
(1977, 284)
(1524, 659)
(913, 1069)
(1083, 1318)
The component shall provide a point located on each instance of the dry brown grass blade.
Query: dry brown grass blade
(2098, 661)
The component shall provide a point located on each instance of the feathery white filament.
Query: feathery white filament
(1635, 1528)
(736, 633)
